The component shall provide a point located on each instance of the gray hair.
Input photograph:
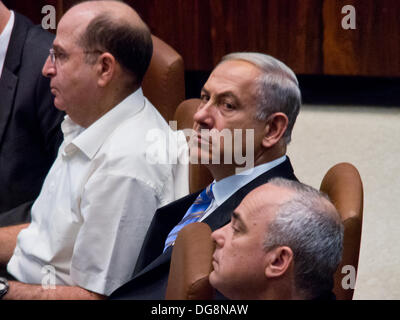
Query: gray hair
(312, 228)
(278, 88)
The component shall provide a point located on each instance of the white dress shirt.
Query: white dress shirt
(226, 187)
(98, 200)
(5, 37)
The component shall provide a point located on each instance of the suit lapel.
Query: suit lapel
(9, 79)
(163, 258)
(8, 85)
(222, 215)
(163, 221)
(171, 215)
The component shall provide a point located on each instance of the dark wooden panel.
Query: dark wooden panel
(290, 30)
(203, 31)
(68, 4)
(182, 24)
(373, 49)
(306, 35)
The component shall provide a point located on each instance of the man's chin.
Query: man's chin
(58, 104)
(201, 155)
(213, 278)
(197, 155)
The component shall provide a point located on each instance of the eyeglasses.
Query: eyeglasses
(54, 55)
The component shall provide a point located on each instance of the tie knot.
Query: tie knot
(207, 194)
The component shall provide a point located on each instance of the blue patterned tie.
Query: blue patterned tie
(195, 212)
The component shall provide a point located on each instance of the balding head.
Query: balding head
(318, 200)
(117, 11)
(114, 27)
(284, 241)
(309, 224)
(100, 54)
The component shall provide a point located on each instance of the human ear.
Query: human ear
(275, 128)
(106, 65)
(278, 261)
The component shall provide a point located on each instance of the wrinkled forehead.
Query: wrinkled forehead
(237, 69)
(236, 76)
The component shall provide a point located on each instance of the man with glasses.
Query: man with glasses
(99, 197)
(30, 132)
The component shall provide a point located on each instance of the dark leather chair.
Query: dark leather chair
(191, 264)
(342, 183)
(164, 81)
(191, 260)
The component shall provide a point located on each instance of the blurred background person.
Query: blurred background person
(29, 124)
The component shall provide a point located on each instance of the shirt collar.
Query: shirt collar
(89, 140)
(226, 187)
(5, 37)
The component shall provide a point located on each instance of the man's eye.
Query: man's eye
(204, 97)
(60, 55)
(228, 106)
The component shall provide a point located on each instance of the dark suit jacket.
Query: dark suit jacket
(152, 268)
(29, 123)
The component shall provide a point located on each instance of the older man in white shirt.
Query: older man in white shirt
(102, 191)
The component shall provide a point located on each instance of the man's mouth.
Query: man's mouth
(202, 138)
(214, 261)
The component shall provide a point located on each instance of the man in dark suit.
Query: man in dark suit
(250, 92)
(29, 123)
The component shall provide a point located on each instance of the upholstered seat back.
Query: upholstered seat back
(199, 176)
(164, 81)
(342, 183)
(191, 264)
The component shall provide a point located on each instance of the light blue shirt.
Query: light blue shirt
(226, 187)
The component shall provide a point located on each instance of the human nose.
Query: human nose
(218, 237)
(204, 115)
(49, 69)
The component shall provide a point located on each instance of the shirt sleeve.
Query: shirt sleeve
(116, 212)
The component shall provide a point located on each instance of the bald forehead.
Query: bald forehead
(102, 5)
(88, 10)
(284, 194)
(76, 20)
(272, 193)
(266, 198)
